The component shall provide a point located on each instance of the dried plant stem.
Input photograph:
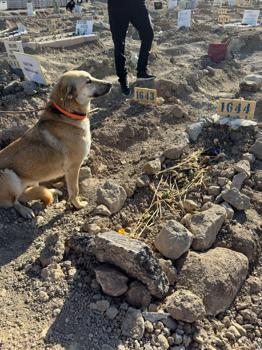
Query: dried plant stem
(171, 190)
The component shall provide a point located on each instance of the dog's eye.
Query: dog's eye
(88, 81)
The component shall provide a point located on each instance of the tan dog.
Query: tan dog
(56, 146)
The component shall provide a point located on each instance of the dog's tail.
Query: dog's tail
(38, 193)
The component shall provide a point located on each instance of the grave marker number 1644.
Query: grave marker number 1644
(236, 108)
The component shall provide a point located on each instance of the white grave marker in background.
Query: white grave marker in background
(217, 3)
(77, 9)
(184, 18)
(250, 17)
(172, 4)
(31, 68)
(191, 4)
(84, 26)
(11, 47)
(3, 5)
(30, 9)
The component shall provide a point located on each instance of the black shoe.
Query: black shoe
(125, 89)
(145, 76)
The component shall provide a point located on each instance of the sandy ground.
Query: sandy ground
(39, 314)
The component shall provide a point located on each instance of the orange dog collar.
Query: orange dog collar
(68, 114)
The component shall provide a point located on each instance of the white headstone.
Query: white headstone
(31, 68)
(250, 17)
(232, 3)
(84, 26)
(172, 4)
(184, 18)
(11, 47)
(217, 3)
(3, 5)
(30, 9)
(78, 9)
(191, 4)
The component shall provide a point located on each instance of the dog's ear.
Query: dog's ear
(67, 91)
(70, 92)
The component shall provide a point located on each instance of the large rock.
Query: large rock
(152, 167)
(215, 276)
(134, 257)
(179, 145)
(138, 295)
(30, 88)
(237, 199)
(238, 180)
(229, 210)
(243, 166)
(173, 240)
(258, 180)
(133, 324)
(194, 130)
(178, 111)
(205, 226)
(112, 195)
(112, 281)
(251, 82)
(189, 205)
(245, 241)
(256, 149)
(184, 305)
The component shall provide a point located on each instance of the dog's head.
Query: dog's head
(75, 90)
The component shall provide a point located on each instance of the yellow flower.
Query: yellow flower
(122, 231)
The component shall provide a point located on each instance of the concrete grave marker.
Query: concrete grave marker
(56, 6)
(30, 9)
(250, 17)
(217, 3)
(184, 18)
(78, 9)
(172, 4)
(11, 47)
(31, 68)
(3, 5)
(191, 5)
(236, 108)
(84, 26)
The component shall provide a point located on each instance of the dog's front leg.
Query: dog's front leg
(72, 180)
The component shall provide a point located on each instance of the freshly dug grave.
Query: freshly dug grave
(180, 203)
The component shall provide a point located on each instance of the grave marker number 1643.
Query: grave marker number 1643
(145, 96)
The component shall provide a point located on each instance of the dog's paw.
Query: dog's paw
(25, 212)
(78, 204)
(56, 194)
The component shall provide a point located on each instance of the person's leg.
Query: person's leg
(119, 22)
(141, 21)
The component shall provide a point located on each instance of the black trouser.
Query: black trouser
(121, 13)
